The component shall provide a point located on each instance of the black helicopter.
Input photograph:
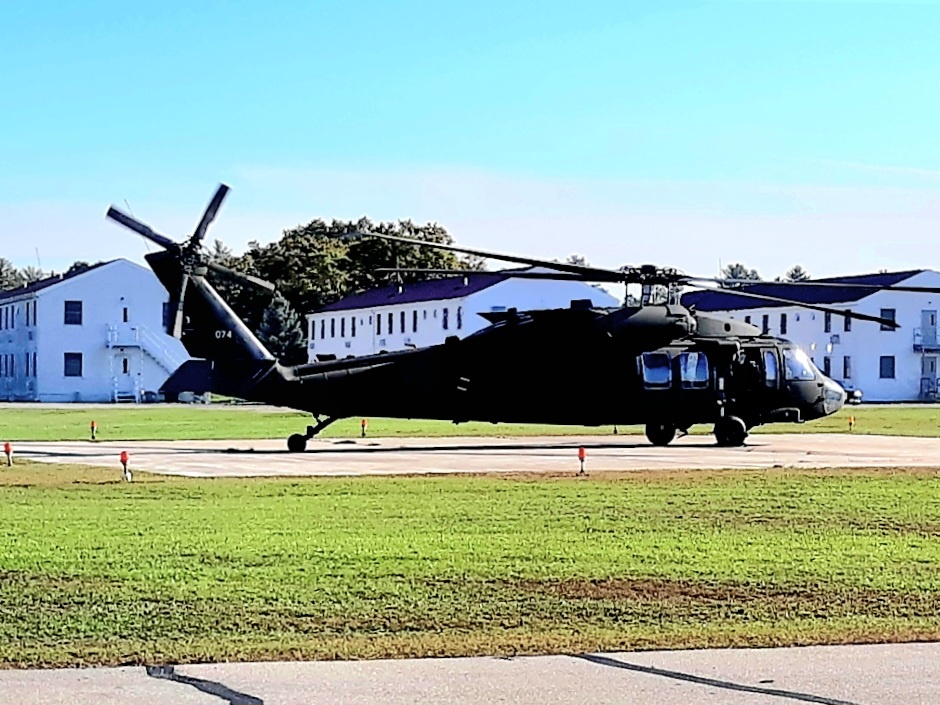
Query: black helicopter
(658, 364)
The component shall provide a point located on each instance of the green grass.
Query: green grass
(166, 569)
(159, 422)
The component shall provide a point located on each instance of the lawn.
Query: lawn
(93, 571)
(185, 422)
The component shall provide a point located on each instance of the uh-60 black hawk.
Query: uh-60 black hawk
(658, 364)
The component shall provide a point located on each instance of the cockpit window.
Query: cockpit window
(798, 365)
(693, 370)
(656, 369)
(770, 368)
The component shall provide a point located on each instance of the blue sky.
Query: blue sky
(678, 133)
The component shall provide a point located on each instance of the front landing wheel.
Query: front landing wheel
(730, 431)
(297, 443)
(660, 434)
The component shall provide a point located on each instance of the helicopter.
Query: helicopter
(654, 363)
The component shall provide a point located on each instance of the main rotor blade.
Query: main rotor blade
(234, 274)
(847, 285)
(211, 210)
(556, 276)
(141, 229)
(591, 273)
(814, 307)
(178, 318)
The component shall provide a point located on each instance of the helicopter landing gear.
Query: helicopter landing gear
(730, 431)
(660, 434)
(297, 442)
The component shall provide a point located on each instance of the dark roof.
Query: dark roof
(724, 300)
(47, 282)
(415, 292)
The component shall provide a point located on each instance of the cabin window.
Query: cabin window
(693, 370)
(770, 368)
(887, 367)
(846, 324)
(73, 364)
(783, 324)
(889, 314)
(73, 313)
(656, 369)
(846, 367)
(798, 365)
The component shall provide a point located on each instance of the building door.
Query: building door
(928, 327)
(928, 376)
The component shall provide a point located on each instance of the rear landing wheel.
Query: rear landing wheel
(297, 443)
(730, 431)
(660, 434)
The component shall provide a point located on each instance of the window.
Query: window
(459, 317)
(770, 368)
(445, 319)
(889, 314)
(323, 329)
(402, 321)
(126, 365)
(352, 324)
(342, 327)
(425, 316)
(827, 366)
(656, 369)
(27, 322)
(827, 322)
(34, 320)
(783, 324)
(693, 370)
(414, 321)
(391, 323)
(27, 364)
(887, 367)
(125, 314)
(847, 367)
(747, 319)
(73, 314)
(797, 365)
(846, 324)
(332, 327)
(378, 324)
(34, 354)
(73, 364)
(765, 323)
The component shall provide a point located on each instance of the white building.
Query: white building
(419, 314)
(96, 335)
(885, 364)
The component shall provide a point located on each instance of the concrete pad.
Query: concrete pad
(898, 674)
(395, 456)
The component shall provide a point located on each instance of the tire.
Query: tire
(730, 431)
(297, 443)
(660, 434)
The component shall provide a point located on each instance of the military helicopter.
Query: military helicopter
(657, 364)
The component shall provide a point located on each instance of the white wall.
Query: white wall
(865, 343)
(104, 292)
(519, 293)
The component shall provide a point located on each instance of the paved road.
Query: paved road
(481, 455)
(905, 674)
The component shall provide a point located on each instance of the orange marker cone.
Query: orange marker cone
(127, 472)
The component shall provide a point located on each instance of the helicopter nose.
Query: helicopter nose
(833, 396)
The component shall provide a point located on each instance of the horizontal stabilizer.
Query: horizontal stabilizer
(192, 376)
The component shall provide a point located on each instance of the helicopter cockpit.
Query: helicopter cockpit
(816, 394)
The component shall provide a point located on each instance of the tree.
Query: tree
(10, 276)
(281, 332)
(79, 266)
(796, 273)
(737, 270)
(32, 274)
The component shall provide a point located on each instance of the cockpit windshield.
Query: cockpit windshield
(798, 365)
